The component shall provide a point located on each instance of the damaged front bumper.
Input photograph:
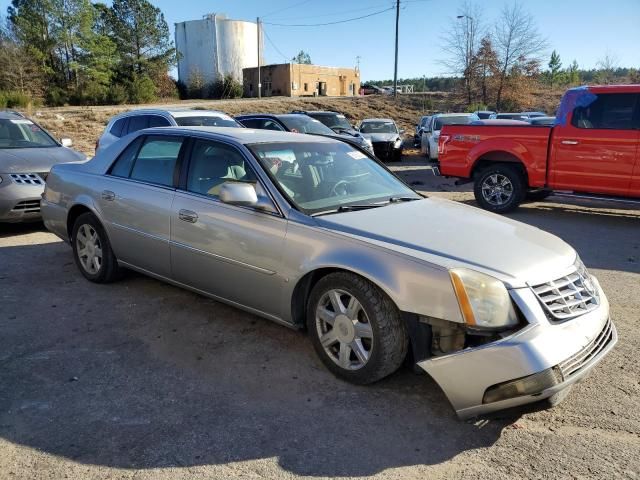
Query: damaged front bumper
(534, 363)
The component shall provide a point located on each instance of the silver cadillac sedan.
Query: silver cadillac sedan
(313, 233)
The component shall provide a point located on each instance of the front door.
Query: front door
(229, 251)
(135, 201)
(596, 151)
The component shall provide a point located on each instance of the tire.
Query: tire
(373, 357)
(500, 188)
(84, 249)
(537, 195)
(397, 156)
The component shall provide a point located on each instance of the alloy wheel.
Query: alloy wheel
(344, 329)
(497, 189)
(89, 249)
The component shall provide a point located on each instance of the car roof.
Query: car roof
(247, 135)
(499, 121)
(178, 112)
(10, 115)
(377, 120)
(453, 114)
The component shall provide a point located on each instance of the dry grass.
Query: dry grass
(85, 124)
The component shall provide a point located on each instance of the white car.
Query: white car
(134, 120)
(431, 134)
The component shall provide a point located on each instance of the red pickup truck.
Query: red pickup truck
(592, 150)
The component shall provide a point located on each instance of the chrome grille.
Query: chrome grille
(27, 206)
(27, 178)
(569, 296)
(575, 363)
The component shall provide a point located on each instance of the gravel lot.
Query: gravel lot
(141, 379)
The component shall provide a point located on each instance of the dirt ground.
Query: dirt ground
(142, 380)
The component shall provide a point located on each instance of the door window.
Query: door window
(138, 122)
(213, 164)
(608, 111)
(158, 121)
(155, 161)
(122, 166)
(118, 128)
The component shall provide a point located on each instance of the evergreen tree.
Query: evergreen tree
(555, 65)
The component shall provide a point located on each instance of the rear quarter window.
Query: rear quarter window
(119, 127)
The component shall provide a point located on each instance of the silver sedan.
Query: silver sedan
(312, 233)
(27, 153)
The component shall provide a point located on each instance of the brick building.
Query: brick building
(300, 80)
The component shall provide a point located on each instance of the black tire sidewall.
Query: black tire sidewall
(109, 265)
(515, 176)
(376, 367)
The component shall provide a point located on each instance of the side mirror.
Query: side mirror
(356, 128)
(401, 132)
(245, 195)
(66, 142)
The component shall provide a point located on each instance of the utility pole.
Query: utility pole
(395, 69)
(259, 84)
(424, 93)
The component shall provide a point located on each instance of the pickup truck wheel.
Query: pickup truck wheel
(92, 250)
(356, 330)
(500, 188)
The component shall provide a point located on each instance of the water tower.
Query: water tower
(216, 46)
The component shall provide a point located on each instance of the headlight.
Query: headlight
(484, 300)
(397, 143)
(368, 142)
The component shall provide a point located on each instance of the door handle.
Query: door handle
(188, 216)
(570, 142)
(108, 195)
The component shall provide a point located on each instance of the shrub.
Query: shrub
(3, 100)
(475, 107)
(227, 87)
(56, 97)
(117, 94)
(142, 90)
(13, 99)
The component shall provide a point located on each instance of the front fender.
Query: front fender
(413, 285)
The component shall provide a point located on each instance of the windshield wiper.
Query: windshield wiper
(402, 199)
(349, 208)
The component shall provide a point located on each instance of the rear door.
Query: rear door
(596, 151)
(135, 200)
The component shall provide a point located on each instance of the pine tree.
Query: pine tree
(555, 66)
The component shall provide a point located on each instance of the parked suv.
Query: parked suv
(385, 136)
(129, 122)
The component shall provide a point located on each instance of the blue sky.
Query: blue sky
(584, 30)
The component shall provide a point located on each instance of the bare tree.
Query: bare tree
(517, 40)
(607, 66)
(461, 43)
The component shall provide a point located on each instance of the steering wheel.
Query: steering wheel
(340, 183)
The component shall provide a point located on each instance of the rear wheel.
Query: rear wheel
(500, 188)
(92, 250)
(355, 328)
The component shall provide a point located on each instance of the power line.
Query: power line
(333, 14)
(330, 23)
(274, 45)
(286, 8)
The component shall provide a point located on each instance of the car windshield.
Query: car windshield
(333, 120)
(305, 124)
(453, 120)
(207, 121)
(378, 127)
(23, 133)
(325, 177)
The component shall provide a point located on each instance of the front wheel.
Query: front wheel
(355, 328)
(500, 188)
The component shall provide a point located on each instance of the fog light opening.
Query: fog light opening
(530, 385)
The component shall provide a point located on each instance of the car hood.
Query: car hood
(452, 234)
(381, 137)
(25, 160)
